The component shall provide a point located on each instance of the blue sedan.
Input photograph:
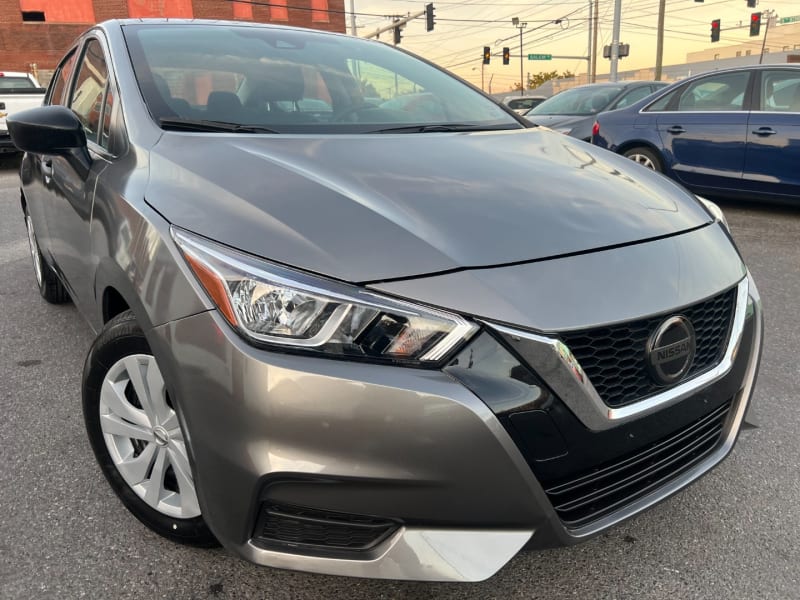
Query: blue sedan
(732, 133)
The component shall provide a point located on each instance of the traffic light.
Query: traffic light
(429, 17)
(397, 35)
(487, 54)
(755, 23)
(715, 30)
(506, 56)
(623, 50)
(751, 3)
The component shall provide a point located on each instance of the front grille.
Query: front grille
(312, 529)
(591, 495)
(614, 357)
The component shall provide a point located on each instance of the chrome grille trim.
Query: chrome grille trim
(554, 362)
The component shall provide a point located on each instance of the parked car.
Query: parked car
(371, 342)
(728, 133)
(18, 91)
(572, 111)
(522, 104)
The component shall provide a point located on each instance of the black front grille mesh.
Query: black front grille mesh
(614, 357)
(591, 495)
(313, 529)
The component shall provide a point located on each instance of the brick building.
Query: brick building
(38, 32)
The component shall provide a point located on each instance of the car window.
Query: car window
(523, 103)
(633, 96)
(298, 81)
(89, 89)
(58, 85)
(585, 100)
(780, 91)
(108, 110)
(723, 92)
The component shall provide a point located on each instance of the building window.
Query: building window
(319, 11)
(747, 53)
(57, 11)
(243, 10)
(738, 53)
(278, 11)
(33, 16)
(716, 57)
(766, 50)
(178, 9)
(786, 48)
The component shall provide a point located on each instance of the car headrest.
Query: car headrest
(223, 106)
(282, 81)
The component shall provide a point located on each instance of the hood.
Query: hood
(558, 121)
(365, 208)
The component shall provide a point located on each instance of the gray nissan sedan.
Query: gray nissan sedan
(342, 334)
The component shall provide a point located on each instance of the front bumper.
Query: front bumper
(413, 446)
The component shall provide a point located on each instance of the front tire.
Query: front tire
(50, 286)
(136, 435)
(645, 157)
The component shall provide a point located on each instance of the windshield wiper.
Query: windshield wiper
(178, 124)
(443, 127)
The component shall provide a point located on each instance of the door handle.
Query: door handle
(676, 129)
(764, 131)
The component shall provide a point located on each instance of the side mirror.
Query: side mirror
(51, 130)
(46, 130)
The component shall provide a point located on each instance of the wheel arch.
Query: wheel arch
(627, 145)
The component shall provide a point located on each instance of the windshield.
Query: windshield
(578, 101)
(16, 83)
(296, 81)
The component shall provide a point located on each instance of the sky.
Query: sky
(463, 28)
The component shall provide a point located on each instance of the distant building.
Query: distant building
(34, 34)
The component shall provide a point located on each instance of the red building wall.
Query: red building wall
(24, 43)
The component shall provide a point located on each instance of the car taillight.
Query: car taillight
(595, 128)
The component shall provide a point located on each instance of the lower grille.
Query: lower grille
(608, 487)
(317, 530)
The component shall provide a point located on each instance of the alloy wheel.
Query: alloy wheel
(643, 160)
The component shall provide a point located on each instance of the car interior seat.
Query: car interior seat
(223, 106)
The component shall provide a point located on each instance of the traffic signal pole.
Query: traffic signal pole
(615, 40)
(768, 14)
(395, 24)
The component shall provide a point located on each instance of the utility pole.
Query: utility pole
(615, 40)
(515, 22)
(660, 39)
(589, 51)
(353, 18)
(595, 24)
(768, 14)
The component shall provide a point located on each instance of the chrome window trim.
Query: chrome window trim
(554, 362)
(692, 112)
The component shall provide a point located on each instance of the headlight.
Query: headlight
(715, 211)
(287, 309)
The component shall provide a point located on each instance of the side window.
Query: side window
(662, 103)
(780, 91)
(723, 92)
(108, 110)
(57, 92)
(633, 96)
(89, 89)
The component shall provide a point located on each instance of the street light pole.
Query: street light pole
(516, 23)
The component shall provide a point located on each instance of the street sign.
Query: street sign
(540, 57)
(784, 20)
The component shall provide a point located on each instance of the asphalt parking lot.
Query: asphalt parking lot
(63, 534)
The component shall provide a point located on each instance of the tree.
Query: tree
(538, 79)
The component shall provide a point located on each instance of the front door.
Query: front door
(71, 184)
(705, 131)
